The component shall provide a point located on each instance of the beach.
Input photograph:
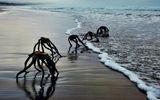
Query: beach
(81, 77)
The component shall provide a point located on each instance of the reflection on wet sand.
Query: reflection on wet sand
(72, 54)
(38, 89)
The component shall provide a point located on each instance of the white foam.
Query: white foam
(68, 32)
(152, 93)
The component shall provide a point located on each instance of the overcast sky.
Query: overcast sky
(98, 3)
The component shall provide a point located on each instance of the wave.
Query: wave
(68, 32)
(149, 12)
(16, 4)
(50, 7)
(143, 9)
(152, 92)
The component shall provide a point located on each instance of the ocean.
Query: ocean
(133, 47)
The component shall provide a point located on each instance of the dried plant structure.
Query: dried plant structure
(76, 40)
(103, 31)
(90, 36)
(45, 43)
(39, 60)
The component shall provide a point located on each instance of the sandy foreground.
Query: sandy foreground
(82, 76)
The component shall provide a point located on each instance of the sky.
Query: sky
(97, 3)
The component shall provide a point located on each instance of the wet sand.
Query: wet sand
(82, 77)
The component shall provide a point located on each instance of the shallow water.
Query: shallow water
(134, 40)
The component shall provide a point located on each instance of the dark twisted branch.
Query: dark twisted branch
(45, 43)
(39, 60)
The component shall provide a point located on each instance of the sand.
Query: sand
(82, 76)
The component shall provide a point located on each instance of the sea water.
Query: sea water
(133, 47)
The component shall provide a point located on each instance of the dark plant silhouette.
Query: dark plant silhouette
(46, 90)
(76, 40)
(45, 43)
(39, 60)
(103, 31)
(90, 36)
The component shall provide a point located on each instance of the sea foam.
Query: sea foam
(68, 32)
(152, 93)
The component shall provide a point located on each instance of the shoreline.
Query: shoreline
(151, 92)
(80, 74)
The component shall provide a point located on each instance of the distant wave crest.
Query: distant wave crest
(14, 4)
